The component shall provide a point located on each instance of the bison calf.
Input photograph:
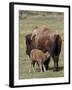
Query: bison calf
(39, 57)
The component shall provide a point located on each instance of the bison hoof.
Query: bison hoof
(55, 69)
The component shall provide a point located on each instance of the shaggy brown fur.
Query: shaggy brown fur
(45, 40)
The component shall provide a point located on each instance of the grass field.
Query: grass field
(53, 21)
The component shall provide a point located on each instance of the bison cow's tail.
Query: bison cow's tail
(57, 44)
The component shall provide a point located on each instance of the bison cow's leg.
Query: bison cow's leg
(46, 63)
(32, 66)
(56, 59)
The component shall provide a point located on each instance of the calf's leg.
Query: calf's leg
(40, 65)
(44, 69)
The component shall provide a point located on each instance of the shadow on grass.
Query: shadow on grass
(59, 69)
(51, 68)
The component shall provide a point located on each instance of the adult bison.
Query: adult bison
(45, 40)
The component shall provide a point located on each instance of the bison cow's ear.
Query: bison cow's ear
(29, 41)
(28, 38)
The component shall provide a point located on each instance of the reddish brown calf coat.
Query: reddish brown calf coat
(37, 56)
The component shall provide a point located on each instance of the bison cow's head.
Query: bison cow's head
(28, 43)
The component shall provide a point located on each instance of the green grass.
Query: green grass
(54, 22)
